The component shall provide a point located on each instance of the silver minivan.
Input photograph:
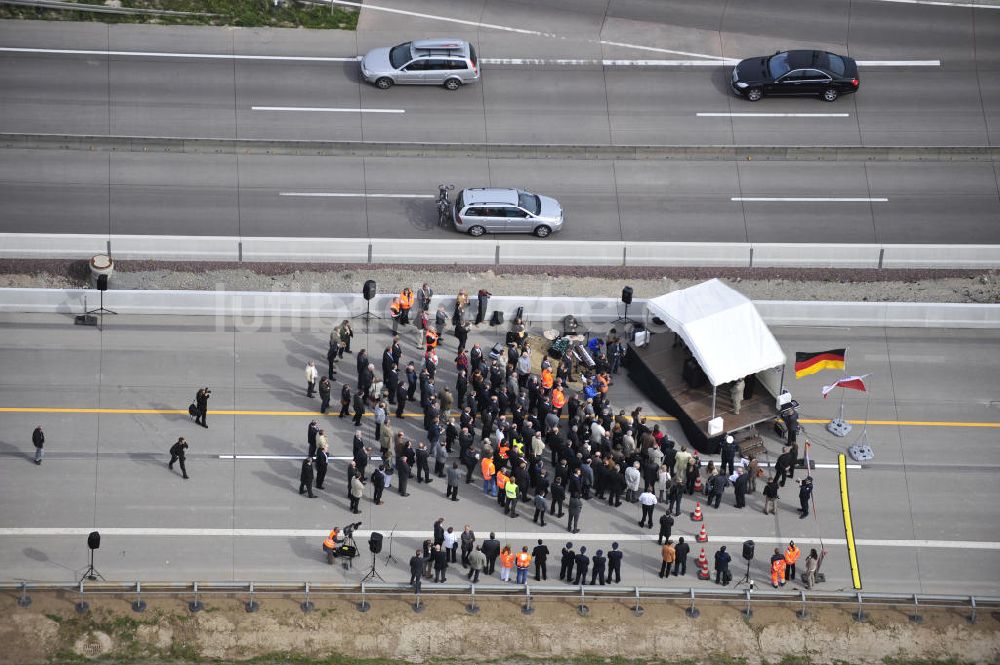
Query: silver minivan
(505, 210)
(447, 62)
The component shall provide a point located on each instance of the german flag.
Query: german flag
(810, 363)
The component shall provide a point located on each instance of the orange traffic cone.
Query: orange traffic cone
(698, 487)
(696, 515)
(703, 536)
(703, 573)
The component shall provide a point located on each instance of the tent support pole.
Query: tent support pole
(714, 388)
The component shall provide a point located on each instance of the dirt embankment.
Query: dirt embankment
(51, 632)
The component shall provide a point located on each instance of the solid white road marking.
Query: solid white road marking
(346, 195)
(323, 109)
(518, 535)
(709, 61)
(805, 199)
(773, 115)
(944, 3)
(345, 458)
(154, 54)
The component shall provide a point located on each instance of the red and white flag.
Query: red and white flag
(852, 382)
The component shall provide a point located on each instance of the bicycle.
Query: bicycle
(444, 205)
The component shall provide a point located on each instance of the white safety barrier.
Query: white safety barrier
(490, 251)
(537, 310)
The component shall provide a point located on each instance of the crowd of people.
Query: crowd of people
(538, 430)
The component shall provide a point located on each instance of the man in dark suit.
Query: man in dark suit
(600, 565)
(491, 548)
(311, 437)
(177, 454)
(582, 565)
(402, 475)
(615, 564)
(540, 556)
(322, 462)
(416, 570)
(306, 478)
(378, 484)
(567, 560)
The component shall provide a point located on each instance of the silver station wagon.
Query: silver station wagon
(447, 62)
(503, 210)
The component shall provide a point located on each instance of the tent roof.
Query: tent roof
(722, 328)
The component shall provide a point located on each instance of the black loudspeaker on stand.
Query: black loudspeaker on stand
(375, 547)
(369, 292)
(102, 286)
(93, 543)
(627, 300)
(748, 547)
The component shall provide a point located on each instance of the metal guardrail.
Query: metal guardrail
(579, 595)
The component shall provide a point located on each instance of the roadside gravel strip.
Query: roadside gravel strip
(168, 144)
(952, 286)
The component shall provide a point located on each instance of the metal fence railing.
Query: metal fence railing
(365, 593)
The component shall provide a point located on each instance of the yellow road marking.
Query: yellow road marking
(313, 414)
(845, 503)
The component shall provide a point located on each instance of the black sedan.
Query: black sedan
(819, 73)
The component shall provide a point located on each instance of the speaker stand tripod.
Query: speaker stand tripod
(91, 572)
(372, 573)
(745, 579)
(625, 319)
(102, 309)
(390, 558)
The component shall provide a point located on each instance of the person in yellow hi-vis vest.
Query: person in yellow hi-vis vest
(511, 491)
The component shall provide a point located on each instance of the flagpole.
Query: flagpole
(861, 451)
(839, 426)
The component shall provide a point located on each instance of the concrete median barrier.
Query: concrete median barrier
(688, 254)
(428, 250)
(314, 250)
(941, 256)
(561, 252)
(787, 255)
(176, 248)
(51, 246)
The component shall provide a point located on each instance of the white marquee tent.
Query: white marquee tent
(722, 329)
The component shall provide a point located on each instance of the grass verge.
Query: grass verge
(239, 13)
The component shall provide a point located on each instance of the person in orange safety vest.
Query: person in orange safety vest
(777, 569)
(501, 484)
(506, 563)
(489, 472)
(547, 378)
(406, 299)
(558, 400)
(523, 562)
(792, 554)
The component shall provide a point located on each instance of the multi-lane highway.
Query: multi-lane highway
(594, 73)
(925, 511)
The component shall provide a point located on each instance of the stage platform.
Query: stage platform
(657, 369)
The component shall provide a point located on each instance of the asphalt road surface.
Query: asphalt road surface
(585, 73)
(925, 510)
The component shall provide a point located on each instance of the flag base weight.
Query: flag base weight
(861, 453)
(839, 427)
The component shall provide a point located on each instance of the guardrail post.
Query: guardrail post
(527, 608)
(915, 617)
(747, 612)
(637, 611)
(802, 613)
(138, 605)
(364, 605)
(307, 605)
(471, 607)
(82, 606)
(196, 605)
(417, 605)
(692, 611)
(251, 605)
(24, 600)
(860, 615)
(582, 608)
(972, 601)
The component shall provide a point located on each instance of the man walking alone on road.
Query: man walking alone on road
(38, 439)
(177, 454)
